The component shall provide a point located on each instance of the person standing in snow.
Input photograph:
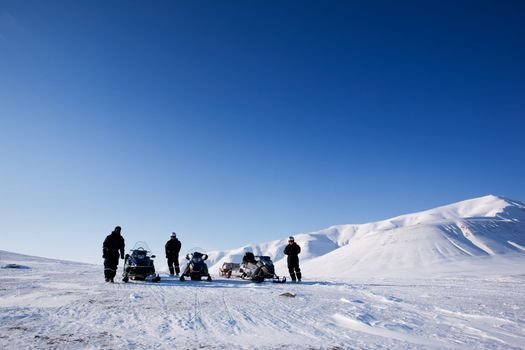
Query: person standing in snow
(293, 250)
(172, 254)
(112, 248)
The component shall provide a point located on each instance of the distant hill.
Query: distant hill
(448, 237)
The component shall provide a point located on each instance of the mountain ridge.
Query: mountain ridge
(479, 227)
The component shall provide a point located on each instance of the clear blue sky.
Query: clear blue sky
(233, 122)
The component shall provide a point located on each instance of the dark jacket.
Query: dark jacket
(248, 258)
(292, 250)
(112, 245)
(172, 247)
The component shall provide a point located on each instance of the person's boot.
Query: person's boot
(112, 280)
(107, 279)
(292, 275)
(171, 271)
(298, 276)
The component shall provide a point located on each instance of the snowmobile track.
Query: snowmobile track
(231, 321)
(55, 307)
(196, 317)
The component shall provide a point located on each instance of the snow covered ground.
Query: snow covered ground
(50, 304)
(447, 278)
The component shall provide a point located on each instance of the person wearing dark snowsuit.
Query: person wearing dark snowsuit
(172, 254)
(248, 258)
(112, 249)
(293, 250)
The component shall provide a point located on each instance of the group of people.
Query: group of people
(113, 249)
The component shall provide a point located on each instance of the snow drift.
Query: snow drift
(474, 234)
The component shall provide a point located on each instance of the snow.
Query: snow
(443, 239)
(65, 305)
(447, 278)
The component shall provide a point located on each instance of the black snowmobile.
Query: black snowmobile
(196, 267)
(258, 268)
(138, 265)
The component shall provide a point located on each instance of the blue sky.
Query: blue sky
(241, 121)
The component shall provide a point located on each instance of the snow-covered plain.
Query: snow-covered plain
(63, 305)
(448, 278)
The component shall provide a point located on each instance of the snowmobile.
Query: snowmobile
(196, 267)
(228, 268)
(138, 265)
(258, 268)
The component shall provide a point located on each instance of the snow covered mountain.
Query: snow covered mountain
(459, 235)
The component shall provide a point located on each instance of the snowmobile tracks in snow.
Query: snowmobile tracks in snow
(231, 320)
(195, 320)
(53, 307)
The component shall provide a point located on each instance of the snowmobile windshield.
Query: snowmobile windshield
(197, 254)
(197, 250)
(141, 246)
(266, 260)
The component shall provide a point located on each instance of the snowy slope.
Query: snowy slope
(446, 237)
(53, 304)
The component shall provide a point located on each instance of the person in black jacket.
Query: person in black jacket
(113, 245)
(248, 258)
(172, 254)
(293, 250)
